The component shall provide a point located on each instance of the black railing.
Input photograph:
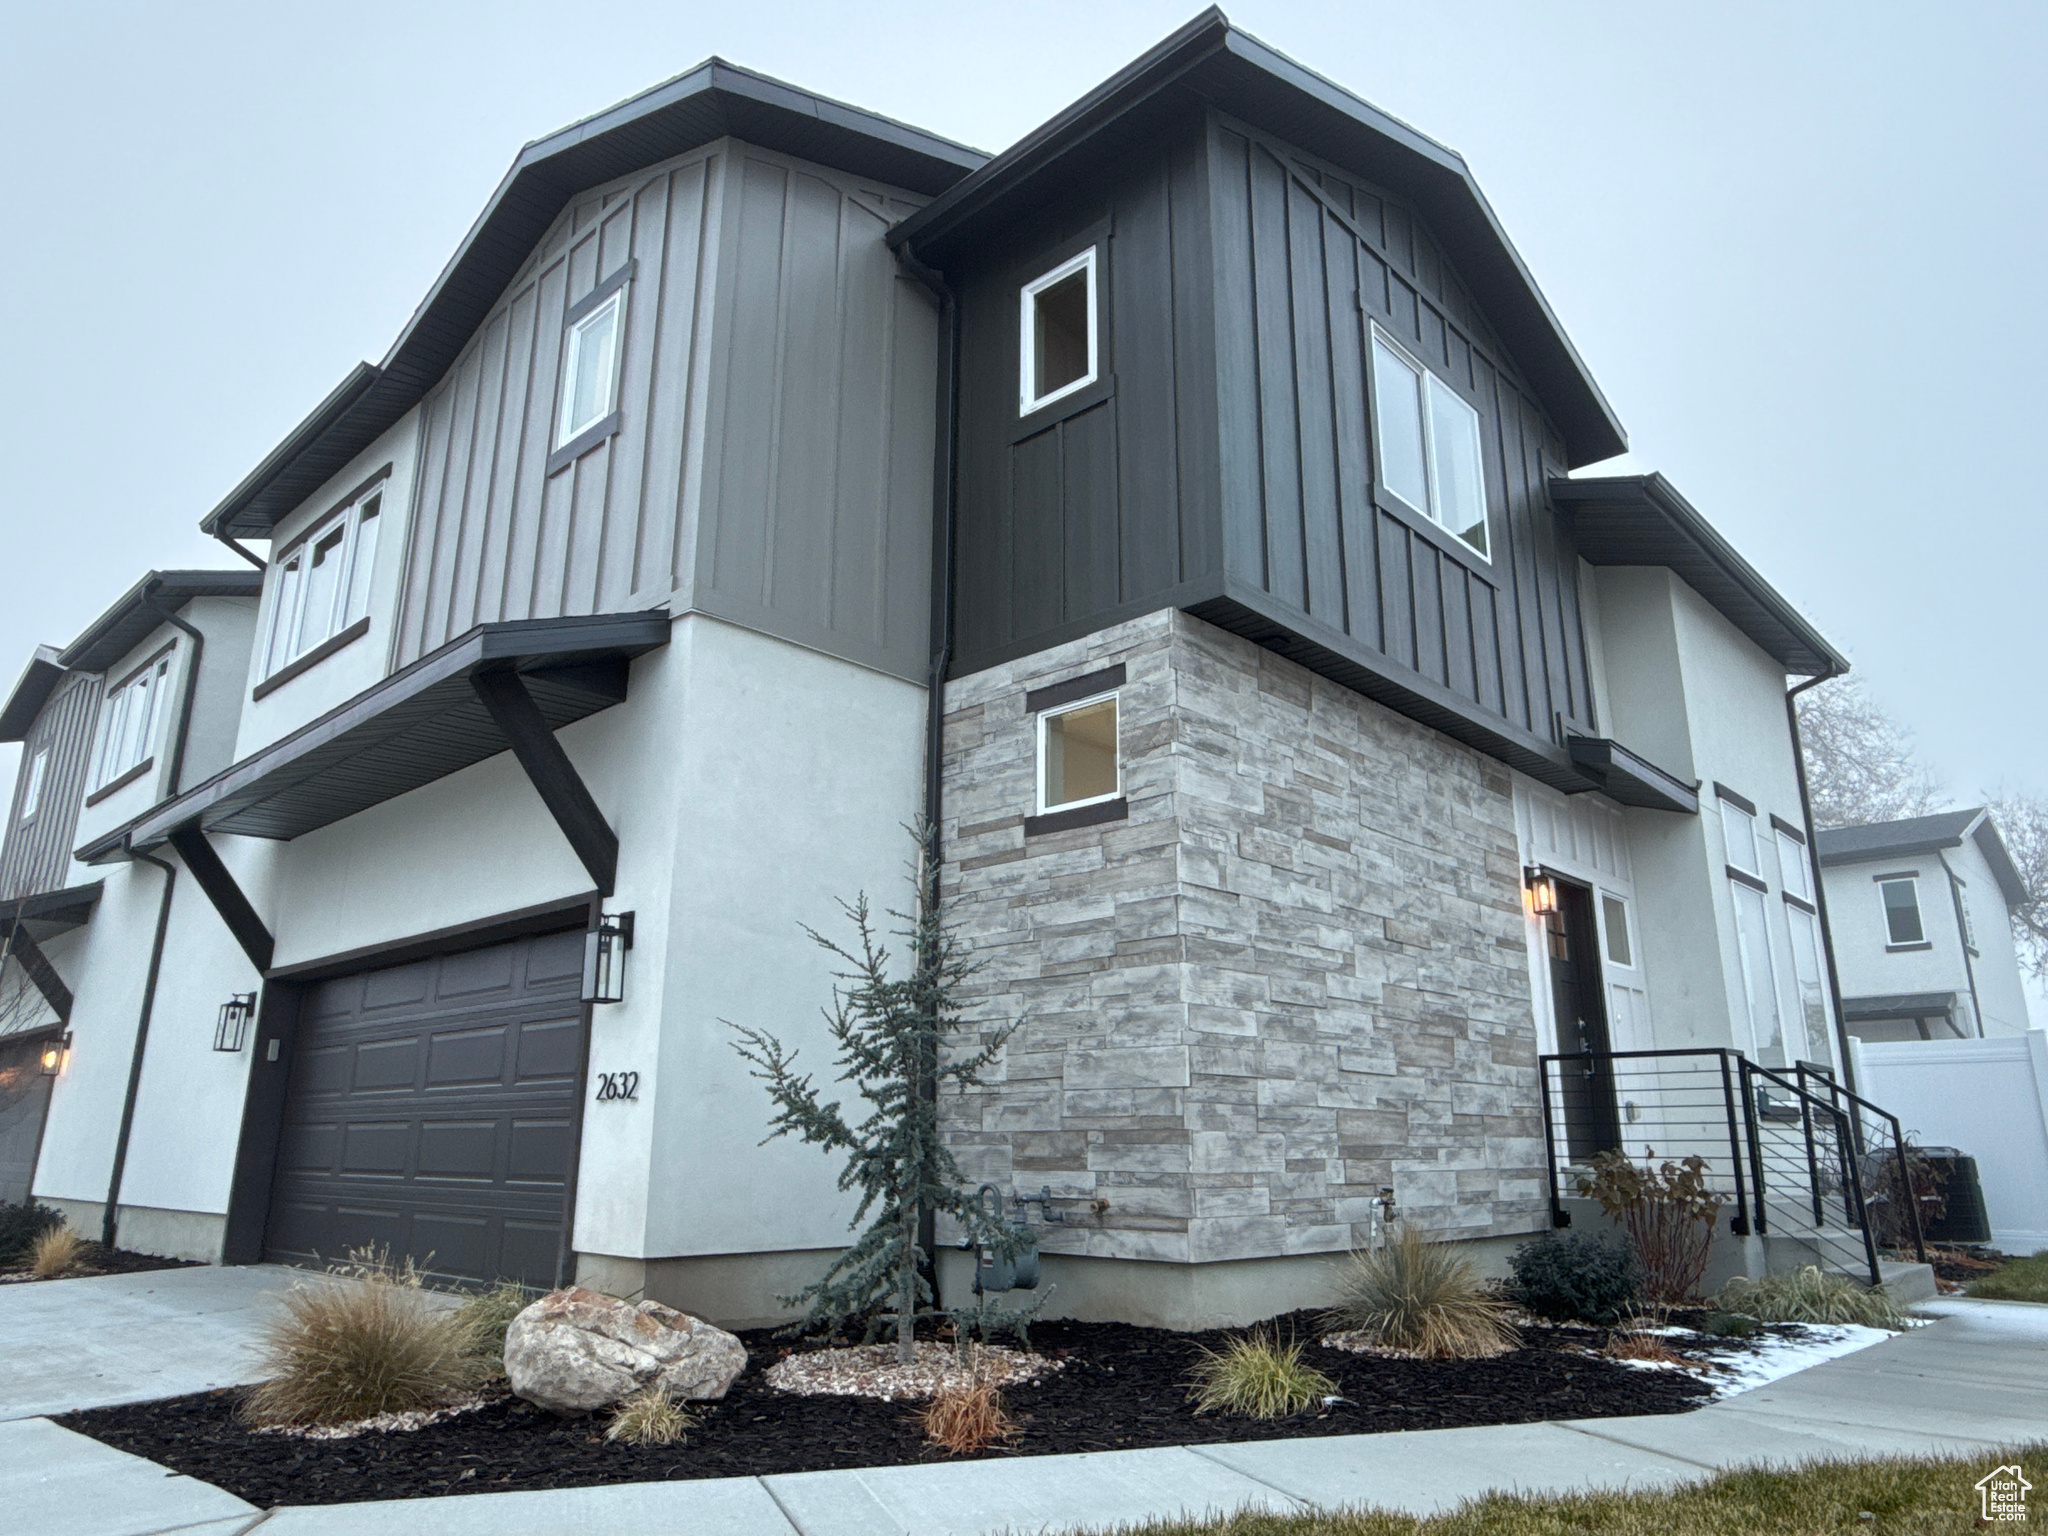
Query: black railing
(1791, 1146)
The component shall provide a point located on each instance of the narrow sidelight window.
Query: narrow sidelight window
(1614, 916)
(1428, 438)
(1077, 755)
(1902, 911)
(32, 796)
(590, 376)
(128, 731)
(323, 581)
(1060, 345)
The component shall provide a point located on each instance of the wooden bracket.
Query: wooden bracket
(205, 866)
(555, 779)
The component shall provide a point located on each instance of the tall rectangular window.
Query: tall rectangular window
(1077, 755)
(1759, 979)
(590, 371)
(128, 723)
(1428, 438)
(1808, 1038)
(32, 793)
(1901, 898)
(1794, 873)
(324, 581)
(1059, 342)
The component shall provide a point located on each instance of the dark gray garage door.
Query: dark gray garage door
(24, 1100)
(432, 1108)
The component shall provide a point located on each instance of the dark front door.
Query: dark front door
(432, 1109)
(1578, 998)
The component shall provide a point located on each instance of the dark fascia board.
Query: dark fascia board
(292, 763)
(1899, 1005)
(1210, 62)
(1877, 841)
(31, 692)
(52, 912)
(131, 619)
(1631, 779)
(713, 101)
(2003, 870)
(1642, 520)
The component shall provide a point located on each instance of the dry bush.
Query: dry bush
(965, 1417)
(1257, 1376)
(1667, 1211)
(1808, 1295)
(1424, 1298)
(57, 1252)
(650, 1417)
(344, 1350)
(485, 1315)
(1642, 1339)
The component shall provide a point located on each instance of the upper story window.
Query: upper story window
(1738, 832)
(590, 376)
(1059, 345)
(1901, 897)
(129, 722)
(1077, 755)
(323, 583)
(32, 793)
(1428, 440)
(1794, 873)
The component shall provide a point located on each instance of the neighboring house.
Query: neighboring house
(1920, 914)
(1311, 753)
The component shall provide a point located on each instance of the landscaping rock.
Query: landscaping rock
(576, 1351)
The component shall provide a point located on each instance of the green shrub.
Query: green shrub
(485, 1315)
(20, 1228)
(1257, 1376)
(1576, 1277)
(2016, 1280)
(1421, 1297)
(1807, 1295)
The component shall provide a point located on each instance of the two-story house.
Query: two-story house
(1920, 912)
(1177, 508)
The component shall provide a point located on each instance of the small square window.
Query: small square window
(1060, 345)
(32, 794)
(1077, 755)
(1614, 917)
(1902, 911)
(1793, 870)
(590, 372)
(1738, 833)
(1428, 438)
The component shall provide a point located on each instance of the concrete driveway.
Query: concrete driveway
(106, 1339)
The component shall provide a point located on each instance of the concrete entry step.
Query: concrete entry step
(1907, 1283)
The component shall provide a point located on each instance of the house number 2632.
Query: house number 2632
(615, 1086)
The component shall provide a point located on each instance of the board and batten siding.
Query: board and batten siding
(774, 456)
(37, 856)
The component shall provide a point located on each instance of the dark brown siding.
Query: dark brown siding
(38, 852)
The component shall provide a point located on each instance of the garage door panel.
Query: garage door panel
(432, 1109)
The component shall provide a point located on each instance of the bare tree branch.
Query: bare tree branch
(1860, 763)
(2022, 821)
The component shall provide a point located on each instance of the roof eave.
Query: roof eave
(99, 646)
(30, 693)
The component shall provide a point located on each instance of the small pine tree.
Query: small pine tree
(890, 1035)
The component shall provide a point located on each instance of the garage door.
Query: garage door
(24, 1100)
(432, 1108)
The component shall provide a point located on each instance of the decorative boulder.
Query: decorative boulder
(575, 1351)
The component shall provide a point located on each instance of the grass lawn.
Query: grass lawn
(1920, 1497)
(2015, 1280)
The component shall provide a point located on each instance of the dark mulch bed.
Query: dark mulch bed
(1962, 1262)
(1123, 1388)
(99, 1261)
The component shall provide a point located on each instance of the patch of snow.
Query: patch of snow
(1790, 1347)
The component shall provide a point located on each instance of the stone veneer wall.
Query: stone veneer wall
(1295, 974)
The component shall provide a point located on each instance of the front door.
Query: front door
(1577, 993)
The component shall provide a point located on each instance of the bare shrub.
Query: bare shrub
(1259, 1377)
(57, 1252)
(964, 1417)
(485, 1315)
(650, 1417)
(1423, 1298)
(1668, 1213)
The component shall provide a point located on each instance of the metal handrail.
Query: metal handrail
(1862, 1107)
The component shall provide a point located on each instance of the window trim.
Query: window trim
(1385, 493)
(1085, 261)
(348, 512)
(1885, 912)
(1043, 719)
(573, 332)
(32, 787)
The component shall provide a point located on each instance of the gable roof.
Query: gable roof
(1210, 61)
(1642, 520)
(715, 100)
(1923, 834)
(31, 691)
(134, 614)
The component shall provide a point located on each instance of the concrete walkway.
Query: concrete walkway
(1976, 1379)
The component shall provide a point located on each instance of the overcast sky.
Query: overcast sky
(1799, 246)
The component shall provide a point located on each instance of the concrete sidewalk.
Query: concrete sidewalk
(1976, 1379)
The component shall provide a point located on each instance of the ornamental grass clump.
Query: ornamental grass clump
(485, 1315)
(650, 1417)
(1808, 1295)
(1258, 1377)
(58, 1251)
(1421, 1298)
(20, 1228)
(964, 1417)
(362, 1343)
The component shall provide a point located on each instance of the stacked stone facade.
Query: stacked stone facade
(1293, 975)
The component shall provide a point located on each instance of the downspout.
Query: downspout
(1820, 887)
(163, 922)
(156, 960)
(944, 499)
(1955, 898)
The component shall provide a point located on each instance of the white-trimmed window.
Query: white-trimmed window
(1620, 943)
(1759, 976)
(1794, 873)
(323, 581)
(1900, 895)
(1078, 762)
(129, 721)
(32, 794)
(1738, 834)
(590, 368)
(1428, 440)
(1059, 344)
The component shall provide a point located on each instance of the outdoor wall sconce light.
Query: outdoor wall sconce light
(232, 1027)
(56, 1052)
(1542, 890)
(604, 958)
